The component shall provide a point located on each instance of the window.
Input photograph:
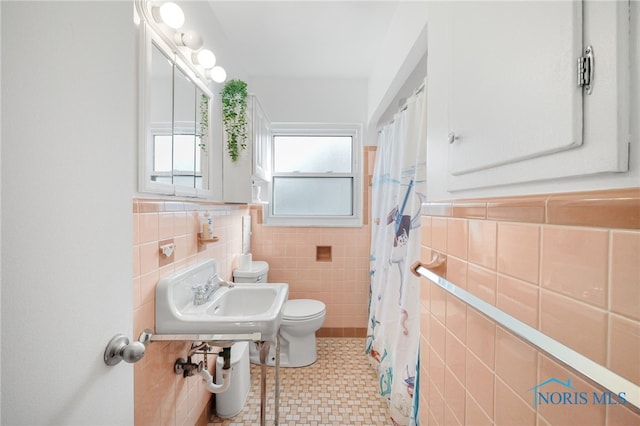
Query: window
(177, 160)
(316, 176)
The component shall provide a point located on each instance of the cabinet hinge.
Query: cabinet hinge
(585, 70)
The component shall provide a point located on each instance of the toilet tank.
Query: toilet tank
(256, 274)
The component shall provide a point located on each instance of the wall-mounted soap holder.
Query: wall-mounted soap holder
(167, 249)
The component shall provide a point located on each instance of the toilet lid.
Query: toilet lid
(301, 309)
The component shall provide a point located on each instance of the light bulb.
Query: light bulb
(204, 57)
(169, 13)
(217, 74)
(190, 38)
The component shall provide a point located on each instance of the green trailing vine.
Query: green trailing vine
(204, 122)
(234, 116)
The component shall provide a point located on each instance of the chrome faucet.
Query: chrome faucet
(202, 293)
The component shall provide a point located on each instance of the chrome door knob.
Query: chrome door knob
(119, 349)
(133, 352)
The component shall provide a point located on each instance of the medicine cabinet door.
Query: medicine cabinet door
(514, 98)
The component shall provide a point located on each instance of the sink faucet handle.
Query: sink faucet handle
(215, 279)
(199, 292)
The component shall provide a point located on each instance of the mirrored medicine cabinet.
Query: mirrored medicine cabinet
(175, 116)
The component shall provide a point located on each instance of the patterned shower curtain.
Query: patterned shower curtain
(399, 182)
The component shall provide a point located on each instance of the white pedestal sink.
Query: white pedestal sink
(229, 310)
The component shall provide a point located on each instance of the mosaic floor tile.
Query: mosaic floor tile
(340, 388)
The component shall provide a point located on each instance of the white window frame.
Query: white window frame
(319, 129)
(165, 129)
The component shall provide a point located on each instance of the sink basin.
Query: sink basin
(241, 309)
(244, 300)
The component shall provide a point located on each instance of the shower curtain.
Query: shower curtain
(393, 333)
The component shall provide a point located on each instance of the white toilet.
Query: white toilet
(301, 318)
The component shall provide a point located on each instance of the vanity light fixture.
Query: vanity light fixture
(217, 74)
(169, 13)
(190, 39)
(200, 61)
(204, 57)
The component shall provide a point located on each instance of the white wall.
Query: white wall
(311, 100)
(408, 89)
(0, 216)
(404, 46)
(351, 100)
(200, 17)
(308, 100)
(68, 144)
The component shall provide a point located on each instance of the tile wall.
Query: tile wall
(162, 397)
(566, 264)
(340, 279)
(341, 282)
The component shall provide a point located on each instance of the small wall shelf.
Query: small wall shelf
(323, 253)
(207, 240)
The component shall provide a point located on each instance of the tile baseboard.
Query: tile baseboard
(341, 332)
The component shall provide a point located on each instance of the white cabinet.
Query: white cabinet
(246, 180)
(261, 131)
(515, 111)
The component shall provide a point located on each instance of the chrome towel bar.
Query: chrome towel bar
(573, 359)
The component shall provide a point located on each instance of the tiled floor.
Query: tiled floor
(340, 388)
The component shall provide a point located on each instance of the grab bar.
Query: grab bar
(585, 366)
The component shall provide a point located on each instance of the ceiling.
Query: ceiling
(305, 39)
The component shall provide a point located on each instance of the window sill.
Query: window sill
(310, 221)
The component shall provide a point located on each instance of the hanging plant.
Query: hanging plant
(204, 122)
(234, 116)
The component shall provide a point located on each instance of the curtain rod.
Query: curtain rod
(415, 92)
(403, 101)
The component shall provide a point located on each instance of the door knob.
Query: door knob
(119, 349)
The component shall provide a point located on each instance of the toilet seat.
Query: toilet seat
(302, 310)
